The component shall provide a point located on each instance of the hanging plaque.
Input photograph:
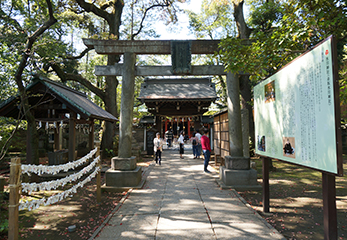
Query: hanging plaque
(181, 57)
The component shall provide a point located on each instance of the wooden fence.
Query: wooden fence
(221, 136)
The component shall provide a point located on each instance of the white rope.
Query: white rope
(41, 169)
(34, 204)
(49, 185)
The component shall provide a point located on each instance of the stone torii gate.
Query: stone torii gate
(237, 167)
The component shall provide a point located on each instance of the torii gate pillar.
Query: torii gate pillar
(236, 173)
(127, 104)
(124, 172)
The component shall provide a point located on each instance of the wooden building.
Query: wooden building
(221, 135)
(57, 104)
(178, 103)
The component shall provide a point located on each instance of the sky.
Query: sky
(183, 24)
(183, 34)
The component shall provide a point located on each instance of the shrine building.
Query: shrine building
(178, 103)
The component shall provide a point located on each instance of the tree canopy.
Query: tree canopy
(280, 31)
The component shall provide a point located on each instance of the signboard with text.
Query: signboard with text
(296, 112)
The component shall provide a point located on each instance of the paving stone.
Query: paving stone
(225, 216)
(251, 230)
(140, 208)
(184, 195)
(184, 234)
(182, 205)
(135, 221)
(230, 205)
(182, 190)
(183, 220)
(179, 201)
(124, 233)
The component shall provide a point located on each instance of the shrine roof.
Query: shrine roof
(74, 100)
(178, 89)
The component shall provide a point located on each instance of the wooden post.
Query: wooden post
(72, 136)
(29, 154)
(329, 206)
(91, 135)
(98, 177)
(2, 184)
(188, 124)
(13, 212)
(56, 139)
(266, 186)
(60, 138)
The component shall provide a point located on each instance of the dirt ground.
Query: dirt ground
(295, 206)
(82, 210)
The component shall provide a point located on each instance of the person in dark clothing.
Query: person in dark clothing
(288, 148)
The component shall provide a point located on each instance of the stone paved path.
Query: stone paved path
(180, 201)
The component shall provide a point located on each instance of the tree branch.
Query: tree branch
(30, 43)
(144, 16)
(106, 5)
(77, 78)
(90, 7)
(87, 84)
(14, 22)
(81, 55)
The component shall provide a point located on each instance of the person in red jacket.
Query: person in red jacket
(206, 148)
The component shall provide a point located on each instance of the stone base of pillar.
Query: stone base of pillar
(118, 163)
(237, 163)
(240, 180)
(123, 175)
(122, 180)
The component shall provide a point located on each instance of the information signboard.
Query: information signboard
(296, 112)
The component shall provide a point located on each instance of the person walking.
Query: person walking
(195, 141)
(198, 135)
(158, 148)
(206, 148)
(181, 142)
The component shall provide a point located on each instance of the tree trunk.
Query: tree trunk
(111, 107)
(242, 28)
(246, 98)
(114, 22)
(245, 88)
(32, 141)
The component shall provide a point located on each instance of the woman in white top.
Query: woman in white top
(181, 142)
(195, 142)
(158, 148)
